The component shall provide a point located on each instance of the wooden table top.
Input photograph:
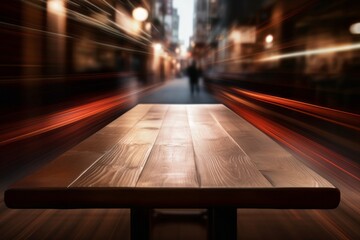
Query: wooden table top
(158, 155)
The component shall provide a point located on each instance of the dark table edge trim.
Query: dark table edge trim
(105, 197)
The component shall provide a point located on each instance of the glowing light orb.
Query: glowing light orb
(56, 6)
(355, 28)
(140, 14)
(269, 38)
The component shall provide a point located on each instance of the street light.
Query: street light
(355, 28)
(140, 14)
(269, 38)
(157, 46)
(56, 7)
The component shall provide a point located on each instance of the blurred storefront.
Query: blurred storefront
(300, 49)
(57, 49)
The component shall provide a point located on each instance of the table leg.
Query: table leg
(140, 219)
(222, 223)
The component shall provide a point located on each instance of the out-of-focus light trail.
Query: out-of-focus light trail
(116, 10)
(74, 38)
(111, 27)
(346, 119)
(305, 147)
(288, 15)
(252, 56)
(34, 30)
(29, 128)
(342, 48)
(76, 16)
(89, 20)
(98, 8)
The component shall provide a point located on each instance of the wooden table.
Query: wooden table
(176, 156)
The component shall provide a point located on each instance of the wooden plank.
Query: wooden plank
(66, 168)
(130, 117)
(100, 143)
(103, 140)
(279, 166)
(171, 162)
(60, 172)
(122, 165)
(219, 160)
(227, 177)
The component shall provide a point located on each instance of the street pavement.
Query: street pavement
(177, 91)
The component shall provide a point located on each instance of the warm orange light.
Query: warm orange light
(157, 47)
(148, 27)
(317, 51)
(140, 14)
(56, 6)
(355, 28)
(136, 27)
(183, 51)
(269, 38)
(236, 36)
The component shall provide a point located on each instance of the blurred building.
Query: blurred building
(201, 29)
(56, 49)
(162, 20)
(175, 26)
(201, 22)
(242, 39)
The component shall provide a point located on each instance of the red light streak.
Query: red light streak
(303, 146)
(346, 119)
(46, 123)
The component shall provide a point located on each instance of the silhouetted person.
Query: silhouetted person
(193, 74)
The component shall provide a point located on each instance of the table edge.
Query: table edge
(102, 197)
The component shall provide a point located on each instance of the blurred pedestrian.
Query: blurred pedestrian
(193, 74)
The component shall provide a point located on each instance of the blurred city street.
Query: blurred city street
(68, 68)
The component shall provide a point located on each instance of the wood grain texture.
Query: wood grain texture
(66, 168)
(131, 117)
(181, 156)
(99, 142)
(60, 172)
(279, 166)
(171, 162)
(103, 140)
(122, 165)
(219, 160)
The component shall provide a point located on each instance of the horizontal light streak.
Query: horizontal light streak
(98, 8)
(120, 48)
(342, 48)
(76, 39)
(91, 21)
(346, 119)
(34, 30)
(109, 5)
(42, 124)
(302, 145)
(76, 16)
(251, 57)
(339, 118)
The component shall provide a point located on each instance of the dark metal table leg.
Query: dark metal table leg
(222, 223)
(140, 223)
